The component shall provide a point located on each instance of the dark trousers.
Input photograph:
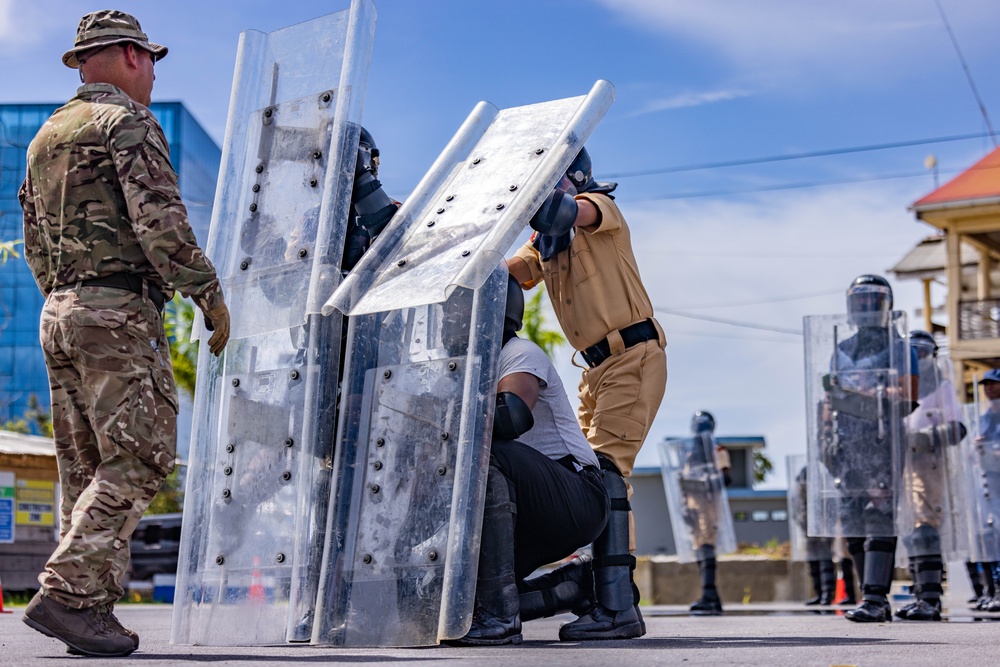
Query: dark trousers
(559, 510)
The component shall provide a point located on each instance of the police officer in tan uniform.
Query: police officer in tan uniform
(582, 251)
(108, 241)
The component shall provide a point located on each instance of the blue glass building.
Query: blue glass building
(195, 157)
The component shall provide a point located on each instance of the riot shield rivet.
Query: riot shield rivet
(280, 558)
(377, 465)
(452, 365)
(449, 197)
(230, 447)
(512, 188)
(287, 475)
(256, 187)
(465, 253)
(539, 151)
(430, 223)
(259, 168)
(387, 374)
(442, 471)
(401, 263)
(226, 493)
(477, 161)
(219, 560)
(881, 485)
(236, 382)
(303, 252)
(289, 442)
(445, 436)
(432, 555)
(313, 182)
(366, 559)
(376, 488)
(268, 112)
(380, 442)
(499, 207)
(440, 211)
(228, 470)
(326, 97)
(253, 207)
(317, 154)
(294, 375)
(244, 265)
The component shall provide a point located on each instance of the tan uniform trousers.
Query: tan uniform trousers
(114, 418)
(618, 401)
(704, 519)
(926, 485)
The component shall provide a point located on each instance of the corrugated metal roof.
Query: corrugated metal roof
(31, 445)
(929, 257)
(980, 181)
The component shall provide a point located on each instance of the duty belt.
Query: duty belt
(125, 281)
(631, 335)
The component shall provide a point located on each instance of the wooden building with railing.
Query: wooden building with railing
(966, 211)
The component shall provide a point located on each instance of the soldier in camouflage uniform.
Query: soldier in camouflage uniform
(108, 241)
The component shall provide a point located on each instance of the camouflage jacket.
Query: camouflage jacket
(101, 197)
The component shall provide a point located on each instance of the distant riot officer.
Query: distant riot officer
(817, 551)
(985, 451)
(866, 388)
(545, 496)
(706, 463)
(932, 427)
(582, 250)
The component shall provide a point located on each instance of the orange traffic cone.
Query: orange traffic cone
(840, 594)
(256, 591)
(2, 610)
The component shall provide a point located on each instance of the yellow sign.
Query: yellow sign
(35, 503)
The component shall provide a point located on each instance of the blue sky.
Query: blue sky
(698, 83)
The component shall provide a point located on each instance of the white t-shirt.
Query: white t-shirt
(556, 432)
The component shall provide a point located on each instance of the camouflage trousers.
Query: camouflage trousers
(114, 418)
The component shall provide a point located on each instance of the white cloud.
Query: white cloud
(690, 99)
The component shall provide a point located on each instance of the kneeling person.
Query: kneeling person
(544, 498)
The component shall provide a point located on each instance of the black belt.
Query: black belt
(631, 335)
(125, 281)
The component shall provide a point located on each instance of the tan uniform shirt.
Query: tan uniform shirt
(594, 285)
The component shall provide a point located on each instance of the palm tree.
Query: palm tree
(534, 324)
(178, 318)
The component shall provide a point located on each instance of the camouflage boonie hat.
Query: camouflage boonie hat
(107, 27)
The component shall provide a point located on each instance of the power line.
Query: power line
(968, 72)
(780, 299)
(756, 339)
(732, 323)
(797, 156)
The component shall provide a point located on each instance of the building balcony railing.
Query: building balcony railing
(979, 320)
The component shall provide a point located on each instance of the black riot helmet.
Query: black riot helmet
(367, 148)
(513, 317)
(581, 175)
(923, 343)
(869, 301)
(702, 422)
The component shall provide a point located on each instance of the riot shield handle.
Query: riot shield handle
(880, 408)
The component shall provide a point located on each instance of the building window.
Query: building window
(760, 515)
(779, 515)
(740, 516)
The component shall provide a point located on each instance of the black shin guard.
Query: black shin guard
(927, 575)
(707, 567)
(613, 564)
(847, 572)
(496, 587)
(879, 560)
(827, 581)
(569, 588)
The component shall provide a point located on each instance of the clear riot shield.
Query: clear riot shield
(857, 394)
(426, 308)
(263, 431)
(925, 514)
(981, 454)
(804, 547)
(696, 497)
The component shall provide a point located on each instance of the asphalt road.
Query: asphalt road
(755, 634)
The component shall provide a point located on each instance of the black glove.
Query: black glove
(557, 214)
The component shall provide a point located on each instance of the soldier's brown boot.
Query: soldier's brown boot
(81, 629)
(108, 614)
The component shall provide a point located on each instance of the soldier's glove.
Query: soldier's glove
(557, 214)
(217, 320)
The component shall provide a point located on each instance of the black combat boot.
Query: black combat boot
(569, 588)
(495, 619)
(976, 580)
(927, 576)
(814, 577)
(615, 611)
(877, 576)
(709, 604)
